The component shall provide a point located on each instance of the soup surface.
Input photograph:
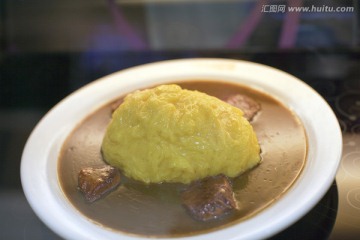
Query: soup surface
(155, 210)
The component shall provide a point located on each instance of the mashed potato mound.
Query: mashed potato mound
(169, 134)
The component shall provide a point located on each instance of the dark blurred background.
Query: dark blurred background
(49, 49)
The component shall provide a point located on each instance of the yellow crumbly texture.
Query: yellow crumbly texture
(169, 134)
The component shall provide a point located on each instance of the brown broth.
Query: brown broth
(155, 210)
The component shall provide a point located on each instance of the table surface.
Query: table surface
(336, 216)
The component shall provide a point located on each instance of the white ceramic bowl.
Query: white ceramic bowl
(39, 159)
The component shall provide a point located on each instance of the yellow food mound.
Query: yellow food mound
(167, 134)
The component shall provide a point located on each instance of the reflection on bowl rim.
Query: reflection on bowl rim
(39, 159)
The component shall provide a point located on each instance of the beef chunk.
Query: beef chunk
(96, 182)
(248, 105)
(209, 198)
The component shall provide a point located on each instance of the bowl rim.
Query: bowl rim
(43, 192)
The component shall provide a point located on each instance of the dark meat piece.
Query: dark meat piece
(209, 198)
(96, 182)
(248, 105)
